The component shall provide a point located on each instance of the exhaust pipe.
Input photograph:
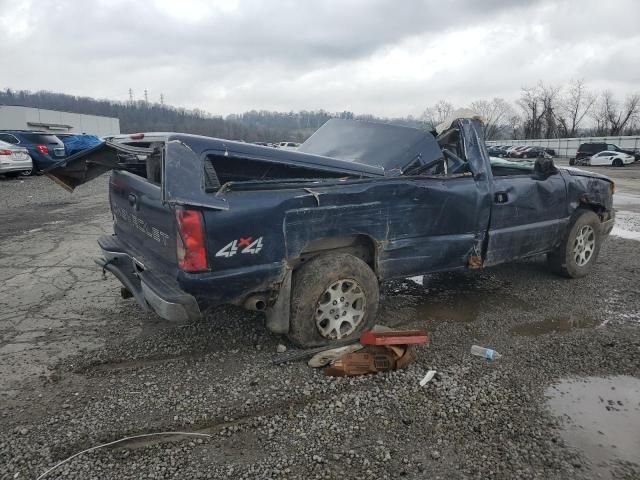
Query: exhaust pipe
(257, 303)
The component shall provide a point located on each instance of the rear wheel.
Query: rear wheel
(334, 297)
(577, 254)
(617, 162)
(572, 161)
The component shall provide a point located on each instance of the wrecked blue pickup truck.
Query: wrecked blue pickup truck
(307, 236)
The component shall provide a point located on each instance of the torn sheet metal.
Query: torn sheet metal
(327, 357)
(86, 165)
(371, 359)
(391, 147)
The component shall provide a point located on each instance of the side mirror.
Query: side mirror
(544, 168)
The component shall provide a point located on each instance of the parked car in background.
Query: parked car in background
(495, 150)
(514, 152)
(14, 160)
(534, 152)
(615, 159)
(45, 149)
(77, 142)
(288, 145)
(589, 149)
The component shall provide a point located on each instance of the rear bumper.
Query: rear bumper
(152, 291)
(16, 166)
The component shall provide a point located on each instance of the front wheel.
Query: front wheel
(26, 173)
(577, 254)
(334, 297)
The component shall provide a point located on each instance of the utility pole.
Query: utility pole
(146, 96)
(131, 95)
(161, 99)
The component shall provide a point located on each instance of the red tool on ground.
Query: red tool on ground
(394, 337)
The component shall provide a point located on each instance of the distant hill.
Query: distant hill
(140, 116)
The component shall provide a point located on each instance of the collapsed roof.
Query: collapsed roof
(391, 147)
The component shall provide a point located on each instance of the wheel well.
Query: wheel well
(593, 207)
(360, 246)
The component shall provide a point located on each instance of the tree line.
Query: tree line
(142, 116)
(551, 111)
(541, 111)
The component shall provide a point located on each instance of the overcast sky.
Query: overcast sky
(385, 57)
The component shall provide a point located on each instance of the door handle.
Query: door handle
(132, 200)
(501, 197)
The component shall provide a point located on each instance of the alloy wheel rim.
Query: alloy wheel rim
(584, 245)
(340, 309)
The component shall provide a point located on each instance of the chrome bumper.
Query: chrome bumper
(152, 291)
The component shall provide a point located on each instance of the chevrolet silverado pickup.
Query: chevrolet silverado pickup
(306, 236)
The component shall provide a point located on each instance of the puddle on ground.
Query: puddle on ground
(601, 417)
(431, 309)
(555, 325)
(460, 297)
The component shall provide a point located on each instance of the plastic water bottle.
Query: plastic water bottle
(484, 352)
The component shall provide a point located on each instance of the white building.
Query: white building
(26, 118)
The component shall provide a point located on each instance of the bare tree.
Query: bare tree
(436, 114)
(549, 96)
(618, 117)
(495, 114)
(574, 106)
(539, 107)
(515, 125)
(600, 120)
(532, 111)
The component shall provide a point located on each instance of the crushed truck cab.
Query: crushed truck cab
(307, 236)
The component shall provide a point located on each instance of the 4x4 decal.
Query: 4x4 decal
(242, 245)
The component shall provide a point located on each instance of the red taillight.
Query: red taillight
(192, 254)
(5, 152)
(42, 149)
(136, 136)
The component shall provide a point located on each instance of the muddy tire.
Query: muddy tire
(578, 252)
(334, 298)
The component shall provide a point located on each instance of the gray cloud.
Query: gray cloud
(377, 56)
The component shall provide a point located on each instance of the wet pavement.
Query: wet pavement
(555, 325)
(601, 418)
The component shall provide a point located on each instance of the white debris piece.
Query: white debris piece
(427, 378)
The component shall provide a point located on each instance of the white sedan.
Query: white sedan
(14, 160)
(615, 159)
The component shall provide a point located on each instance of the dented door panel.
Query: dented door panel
(418, 225)
(528, 216)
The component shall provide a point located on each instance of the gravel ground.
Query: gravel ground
(82, 367)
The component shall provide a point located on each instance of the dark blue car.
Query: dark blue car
(45, 149)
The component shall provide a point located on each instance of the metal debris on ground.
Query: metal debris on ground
(371, 359)
(383, 349)
(394, 337)
(326, 357)
(293, 355)
(121, 440)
